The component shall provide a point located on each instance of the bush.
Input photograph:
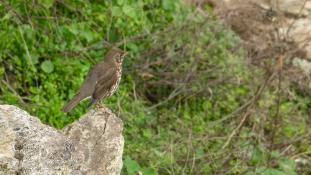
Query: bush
(47, 47)
(188, 99)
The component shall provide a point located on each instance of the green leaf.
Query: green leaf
(133, 47)
(131, 165)
(7, 16)
(1, 71)
(290, 130)
(47, 66)
(250, 173)
(47, 3)
(116, 11)
(168, 5)
(129, 11)
(148, 171)
(74, 29)
(269, 171)
(101, 17)
(257, 156)
(35, 59)
(275, 154)
(274, 172)
(120, 2)
(147, 133)
(287, 165)
(88, 35)
(199, 153)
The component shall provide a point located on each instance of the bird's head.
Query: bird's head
(118, 54)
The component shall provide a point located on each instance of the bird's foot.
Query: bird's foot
(99, 106)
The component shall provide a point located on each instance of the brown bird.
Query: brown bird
(101, 81)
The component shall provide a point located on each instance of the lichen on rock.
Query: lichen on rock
(92, 145)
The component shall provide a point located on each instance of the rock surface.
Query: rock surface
(297, 15)
(271, 32)
(269, 29)
(92, 145)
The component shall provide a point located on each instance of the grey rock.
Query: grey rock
(92, 145)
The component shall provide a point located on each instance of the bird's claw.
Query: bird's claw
(99, 106)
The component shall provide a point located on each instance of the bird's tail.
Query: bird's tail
(72, 103)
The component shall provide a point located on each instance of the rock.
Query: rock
(304, 65)
(251, 20)
(293, 7)
(270, 30)
(92, 145)
(301, 33)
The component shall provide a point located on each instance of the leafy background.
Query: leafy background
(185, 90)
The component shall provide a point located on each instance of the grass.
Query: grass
(222, 119)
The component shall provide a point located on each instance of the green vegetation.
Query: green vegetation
(189, 102)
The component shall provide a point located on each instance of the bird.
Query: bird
(101, 81)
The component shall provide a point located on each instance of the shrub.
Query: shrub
(189, 101)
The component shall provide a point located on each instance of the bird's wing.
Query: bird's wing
(105, 83)
(86, 89)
